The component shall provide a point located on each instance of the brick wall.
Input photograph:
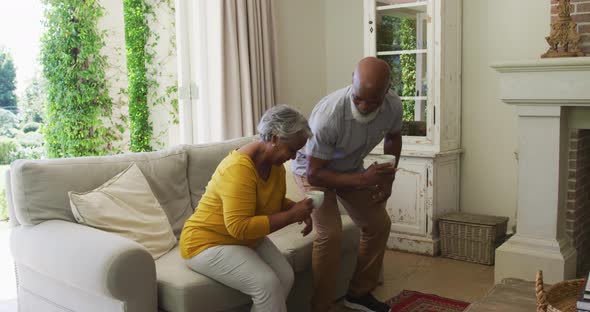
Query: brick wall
(580, 12)
(578, 197)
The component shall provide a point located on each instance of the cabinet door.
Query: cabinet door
(421, 42)
(406, 206)
(399, 32)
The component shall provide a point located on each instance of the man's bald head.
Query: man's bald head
(371, 74)
(370, 83)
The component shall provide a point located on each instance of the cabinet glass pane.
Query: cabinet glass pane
(414, 123)
(408, 74)
(401, 34)
(392, 2)
(401, 28)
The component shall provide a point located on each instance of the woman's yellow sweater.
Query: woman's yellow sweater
(235, 207)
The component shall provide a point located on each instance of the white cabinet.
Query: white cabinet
(421, 40)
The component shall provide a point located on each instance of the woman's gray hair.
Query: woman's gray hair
(284, 122)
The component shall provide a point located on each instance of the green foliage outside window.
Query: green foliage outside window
(31, 127)
(78, 99)
(137, 34)
(33, 102)
(3, 208)
(7, 148)
(8, 123)
(7, 82)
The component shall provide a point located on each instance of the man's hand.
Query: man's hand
(378, 174)
(382, 191)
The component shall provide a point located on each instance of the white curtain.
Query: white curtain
(226, 65)
(250, 64)
(199, 66)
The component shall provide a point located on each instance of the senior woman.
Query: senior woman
(225, 239)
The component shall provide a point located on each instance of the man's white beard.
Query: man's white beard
(363, 118)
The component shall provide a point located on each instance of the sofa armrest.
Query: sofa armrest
(89, 259)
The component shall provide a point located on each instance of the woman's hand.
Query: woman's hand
(301, 210)
(308, 226)
(298, 212)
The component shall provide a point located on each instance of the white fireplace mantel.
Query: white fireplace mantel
(552, 82)
(542, 90)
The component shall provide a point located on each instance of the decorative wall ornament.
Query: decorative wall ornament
(564, 38)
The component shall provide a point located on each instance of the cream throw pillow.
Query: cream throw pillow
(125, 205)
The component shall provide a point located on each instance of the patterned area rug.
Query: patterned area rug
(413, 301)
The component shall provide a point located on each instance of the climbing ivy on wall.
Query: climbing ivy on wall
(78, 101)
(79, 110)
(145, 72)
(137, 34)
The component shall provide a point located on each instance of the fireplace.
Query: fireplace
(545, 94)
(577, 222)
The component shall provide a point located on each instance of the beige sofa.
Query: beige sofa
(65, 266)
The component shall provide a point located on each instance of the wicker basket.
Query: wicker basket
(560, 297)
(471, 237)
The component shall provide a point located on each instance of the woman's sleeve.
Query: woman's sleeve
(238, 196)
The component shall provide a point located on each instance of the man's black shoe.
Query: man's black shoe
(366, 303)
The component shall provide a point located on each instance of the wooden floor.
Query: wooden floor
(436, 275)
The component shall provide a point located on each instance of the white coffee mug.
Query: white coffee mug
(317, 197)
(386, 158)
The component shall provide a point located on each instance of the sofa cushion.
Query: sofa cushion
(181, 289)
(297, 248)
(203, 160)
(40, 187)
(125, 205)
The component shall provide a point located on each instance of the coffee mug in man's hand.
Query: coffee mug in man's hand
(317, 197)
(386, 158)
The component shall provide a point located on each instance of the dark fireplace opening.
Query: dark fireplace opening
(578, 197)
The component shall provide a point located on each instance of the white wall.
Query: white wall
(301, 49)
(344, 41)
(319, 43)
(494, 31)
